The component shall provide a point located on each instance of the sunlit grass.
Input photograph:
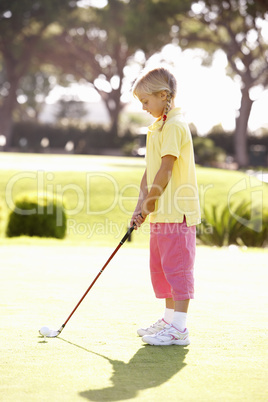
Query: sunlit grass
(101, 192)
(99, 357)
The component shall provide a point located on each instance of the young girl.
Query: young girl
(169, 195)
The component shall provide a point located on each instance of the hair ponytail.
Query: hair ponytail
(167, 109)
(157, 80)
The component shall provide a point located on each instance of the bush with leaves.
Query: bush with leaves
(2, 216)
(35, 214)
(234, 224)
(28, 136)
(206, 151)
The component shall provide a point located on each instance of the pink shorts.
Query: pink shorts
(172, 254)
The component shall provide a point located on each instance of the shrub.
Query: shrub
(35, 214)
(224, 140)
(233, 224)
(2, 216)
(259, 237)
(206, 151)
(28, 137)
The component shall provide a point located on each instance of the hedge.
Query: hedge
(35, 214)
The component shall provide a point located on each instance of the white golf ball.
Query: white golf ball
(45, 331)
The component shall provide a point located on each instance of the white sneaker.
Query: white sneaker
(153, 329)
(168, 336)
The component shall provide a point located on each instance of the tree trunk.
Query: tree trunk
(114, 107)
(6, 114)
(115, 114)
(241, 130)
(120, 55)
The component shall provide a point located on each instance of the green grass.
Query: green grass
(101, 192)
(99, 357)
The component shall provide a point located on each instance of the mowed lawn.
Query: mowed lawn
(99, 357)
(100, 193)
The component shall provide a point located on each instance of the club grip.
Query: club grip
(130, 230)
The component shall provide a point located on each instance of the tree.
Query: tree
(31, 94)
(92, 44)
(71, 110)
(99, 44)
(236, 27)
(24, 24)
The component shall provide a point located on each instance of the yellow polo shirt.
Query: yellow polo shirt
(180, 197)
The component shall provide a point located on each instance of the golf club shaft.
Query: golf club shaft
(128, 233)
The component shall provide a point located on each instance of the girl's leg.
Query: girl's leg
(182, 305)
(178, 305)
(170, 303)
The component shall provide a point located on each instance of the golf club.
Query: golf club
(50, 333)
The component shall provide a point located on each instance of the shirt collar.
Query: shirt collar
(158, 123)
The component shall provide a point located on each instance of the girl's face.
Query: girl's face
(154, 104)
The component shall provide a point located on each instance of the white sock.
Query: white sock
(168, 315)
(179, 320)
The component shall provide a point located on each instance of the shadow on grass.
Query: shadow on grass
(150, 367)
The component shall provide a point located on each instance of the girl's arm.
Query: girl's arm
(161, 180)
(143, 194)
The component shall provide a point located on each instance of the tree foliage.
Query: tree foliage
(89, 43)
(24, 26)
(237, 27)
(98, 45)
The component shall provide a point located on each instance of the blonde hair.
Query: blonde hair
(157, 80)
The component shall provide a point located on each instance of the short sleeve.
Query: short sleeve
(171, 140)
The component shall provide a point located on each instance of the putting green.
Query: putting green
(99, 357)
